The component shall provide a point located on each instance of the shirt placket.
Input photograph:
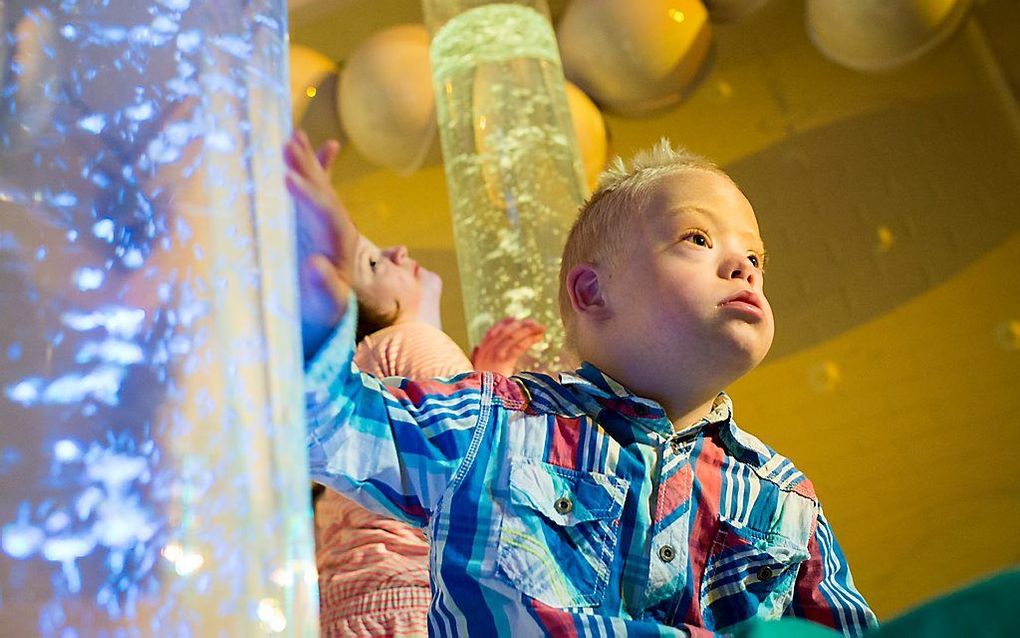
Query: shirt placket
(670, 532)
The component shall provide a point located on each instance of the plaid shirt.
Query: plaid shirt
(571, 507)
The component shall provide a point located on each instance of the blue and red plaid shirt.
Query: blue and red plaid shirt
(570, 507)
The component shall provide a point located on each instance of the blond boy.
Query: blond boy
(620, 499)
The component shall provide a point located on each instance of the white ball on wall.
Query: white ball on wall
(880, 35)
(634, 57)
(385, 96)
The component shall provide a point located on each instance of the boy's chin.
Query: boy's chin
(747, 348)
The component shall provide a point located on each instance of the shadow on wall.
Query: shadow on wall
(865, 214)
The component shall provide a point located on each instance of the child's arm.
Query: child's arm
(327, 239)
(825, 591)
(393, 447)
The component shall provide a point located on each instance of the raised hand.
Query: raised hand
(504, 344)
(327, 239)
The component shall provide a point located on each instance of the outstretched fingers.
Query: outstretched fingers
(327, 154)
(520, 336)
(504, 344)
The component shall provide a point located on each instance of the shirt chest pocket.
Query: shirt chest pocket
(558, 536)
(748, 574)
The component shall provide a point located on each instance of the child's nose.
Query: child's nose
(739, 267)
(746, 273)
(397, 254)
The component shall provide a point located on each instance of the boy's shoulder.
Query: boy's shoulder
(537, 393)
(767, 464)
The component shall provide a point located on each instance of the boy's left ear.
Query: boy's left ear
(585, 290)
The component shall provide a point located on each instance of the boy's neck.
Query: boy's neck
(685, 401)
(684, 417)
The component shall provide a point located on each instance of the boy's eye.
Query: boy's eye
(697, 237)
(754, 261)
(372, 261)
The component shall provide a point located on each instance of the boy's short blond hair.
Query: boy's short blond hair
(624, 190)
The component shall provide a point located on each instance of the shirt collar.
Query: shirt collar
(593, 381)
(613, 394)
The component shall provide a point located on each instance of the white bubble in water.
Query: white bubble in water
(93, 123)
(271, 616)
(103, 229)
(102, 384)
(133, 258)
(21, 540)
(66, 451)
(139, 112)
(26, 393)
(89, 278)
(120, 321)
(189, 41)
(69, 547)
(111, 351)
(64, 199)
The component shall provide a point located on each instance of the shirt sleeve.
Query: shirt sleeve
(825, 592)
(393, 446)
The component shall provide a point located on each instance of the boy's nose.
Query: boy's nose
(747, 273)
(739, 268)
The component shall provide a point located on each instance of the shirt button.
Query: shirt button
(765, 573)
(563, 505)
(667, 553)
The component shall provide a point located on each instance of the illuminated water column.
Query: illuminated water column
(513, 171)
(152, 469)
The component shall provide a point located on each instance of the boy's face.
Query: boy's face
(687, 292)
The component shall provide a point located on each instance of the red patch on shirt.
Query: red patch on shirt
(673, 493)
(708, 469)
(806, 489)
(511, 394)
(808, 592)
(555, 622)
(564, 443)
(415, 511)
(417, 391)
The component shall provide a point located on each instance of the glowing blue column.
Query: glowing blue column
(153, 475)
(513, 170)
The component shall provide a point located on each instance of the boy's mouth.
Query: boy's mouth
(745, 299)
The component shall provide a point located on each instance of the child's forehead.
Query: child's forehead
(696, 186)
(366, 246)
(710, 200)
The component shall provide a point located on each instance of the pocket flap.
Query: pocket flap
(749, 573)
(566, 497)
(764, 555)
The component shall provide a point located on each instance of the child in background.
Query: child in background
(373, 570)
(621, 499)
